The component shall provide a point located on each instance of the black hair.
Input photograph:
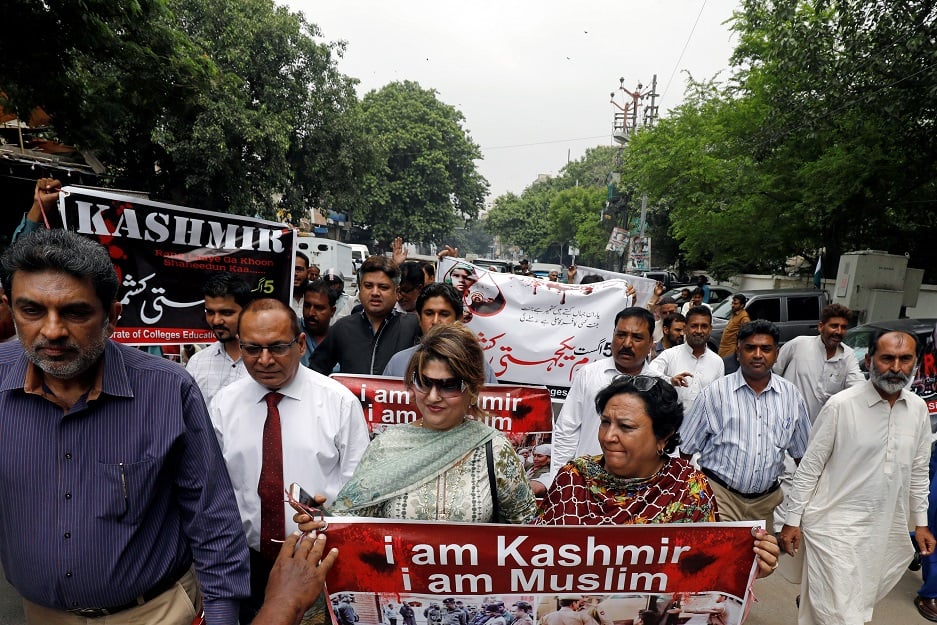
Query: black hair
(440, 289)
(878, 334)
(759, 326)
(411, 273)
(322, 287)
(835, 310)
(379, 263)
(741, 298)
(228, 284)
(304, 257)
(669, 319)
(62, 251)
(661, 403)
(700, 310)
(637, 312)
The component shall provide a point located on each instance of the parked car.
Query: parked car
(925, 379)
(542, 270)
(796, 312)
(668, 278)
(858, 337)
(717, 294)
(492, 264)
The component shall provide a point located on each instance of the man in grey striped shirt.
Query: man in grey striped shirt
(742, 424)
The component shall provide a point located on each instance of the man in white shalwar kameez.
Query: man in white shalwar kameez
(868, 457)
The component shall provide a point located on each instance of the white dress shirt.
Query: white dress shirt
(803, 361)
(862, 480)
(324, 436)
(576, 430)
(703, 370)
(213, 369)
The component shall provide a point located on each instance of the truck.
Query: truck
(328, 254)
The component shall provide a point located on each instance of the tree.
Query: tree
(521, 221)
(531, 222)
(574, 216)
(222, 104)
(107, 71)
(720, 209)
(280, 131)
(426, 184)
(473, 239)
(849, 92)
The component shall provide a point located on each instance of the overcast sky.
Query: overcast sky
(531, 78)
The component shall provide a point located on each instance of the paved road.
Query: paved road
(775, 605)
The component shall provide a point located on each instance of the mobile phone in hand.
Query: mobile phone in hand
(298, 493)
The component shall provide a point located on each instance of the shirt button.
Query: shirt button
(68, 534)
(68, 455)
(68, 495)
(68, 573)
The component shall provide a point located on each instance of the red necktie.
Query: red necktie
(270, 486)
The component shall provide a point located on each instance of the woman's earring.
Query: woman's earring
(660, 452)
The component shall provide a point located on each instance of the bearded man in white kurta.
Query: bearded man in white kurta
(868, 457)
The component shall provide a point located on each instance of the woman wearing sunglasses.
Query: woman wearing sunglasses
(446, 465)
(635, 479)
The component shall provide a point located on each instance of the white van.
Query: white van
(328, 253)
(359, 253)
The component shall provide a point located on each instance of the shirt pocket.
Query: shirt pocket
(124, 490)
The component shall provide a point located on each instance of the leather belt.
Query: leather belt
(721, 482)
(164, 585)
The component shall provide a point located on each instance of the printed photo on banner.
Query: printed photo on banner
(687, 574)
(522, 413)
(164, 253)
(538, 332)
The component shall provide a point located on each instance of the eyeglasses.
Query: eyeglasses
(641, 383)
(450, 387)
(277, 349)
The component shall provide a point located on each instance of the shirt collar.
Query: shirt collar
(840, 350)
(872, 396)
(110, 377)
(293, 390)
(738, 381)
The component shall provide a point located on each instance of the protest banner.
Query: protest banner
(522, 413)
(539, 332)
(617, 572)
(164, 253)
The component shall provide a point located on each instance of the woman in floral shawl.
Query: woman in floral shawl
(635, 480)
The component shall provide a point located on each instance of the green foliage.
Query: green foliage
(549, 215)
(222, 104)
(426, 184)
(574, 216)
(824, 137)
(280, 131)
(521, 221)
(849, 90)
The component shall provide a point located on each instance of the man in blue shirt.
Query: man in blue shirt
(113, 484)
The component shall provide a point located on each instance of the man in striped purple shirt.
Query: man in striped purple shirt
(742, 424)
(112, 484)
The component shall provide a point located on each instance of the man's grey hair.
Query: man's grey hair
(64, 252)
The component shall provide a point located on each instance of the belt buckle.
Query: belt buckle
(90, 612)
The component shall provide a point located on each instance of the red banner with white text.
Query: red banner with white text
(700, 572)
(522, 413)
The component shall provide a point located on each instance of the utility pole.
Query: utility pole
(624, 125)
